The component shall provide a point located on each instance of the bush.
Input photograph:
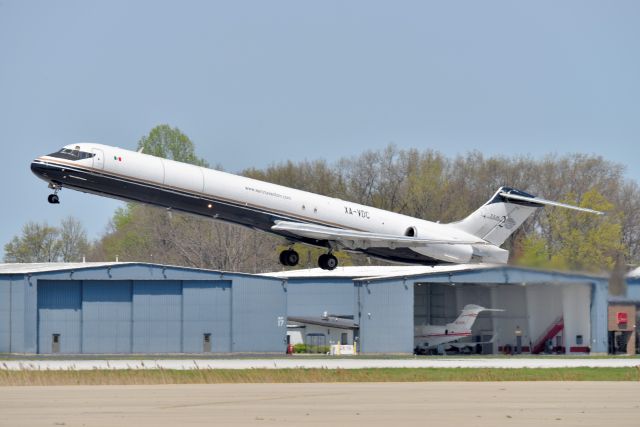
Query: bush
(299, 348)
(317, 349)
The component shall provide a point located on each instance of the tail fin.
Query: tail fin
(497, 219)
(467, 318)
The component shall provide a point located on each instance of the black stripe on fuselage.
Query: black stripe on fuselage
(129, 189)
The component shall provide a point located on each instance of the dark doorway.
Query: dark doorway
(206, 343)
(55, 343)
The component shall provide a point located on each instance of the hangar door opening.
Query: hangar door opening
(439, 304)
(536, 317)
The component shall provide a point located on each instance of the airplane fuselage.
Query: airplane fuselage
(431, 336)
(138, 177)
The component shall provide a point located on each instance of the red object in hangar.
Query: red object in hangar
(621, 316)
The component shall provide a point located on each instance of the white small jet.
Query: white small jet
(298, 216)
(428, 338)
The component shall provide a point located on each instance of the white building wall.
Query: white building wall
(296, 336)
(544, 305)
(332, 335)
(576, 303)
(512, 299)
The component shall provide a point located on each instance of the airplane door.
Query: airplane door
(98, 158)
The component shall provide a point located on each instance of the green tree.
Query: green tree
(170, 143)
(533, 252)
(579, 241)
(126, 239)
(73, 240)
(37, 243)
(586, 241)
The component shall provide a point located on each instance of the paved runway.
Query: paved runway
(324, 363)
(372, 404)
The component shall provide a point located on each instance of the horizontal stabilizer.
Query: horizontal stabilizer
(539, 201)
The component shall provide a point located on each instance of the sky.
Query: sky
(254, 83)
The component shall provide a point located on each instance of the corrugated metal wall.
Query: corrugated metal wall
(5, 316)
(23, 316)
(307, 298)
(386, 317)
(434, 304)
(157, 316)
(106, 316)
(59, 312)
(206, 310)
(259, 315)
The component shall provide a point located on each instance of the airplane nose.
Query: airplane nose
(36, 166)
(39, 168)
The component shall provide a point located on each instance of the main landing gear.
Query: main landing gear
(290, 258)
(53, 198)
(327, 261)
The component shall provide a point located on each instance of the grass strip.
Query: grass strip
(222, 376)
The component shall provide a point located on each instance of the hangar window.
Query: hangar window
(71, 154)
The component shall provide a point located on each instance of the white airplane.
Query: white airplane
(296, 215)
(427, 337)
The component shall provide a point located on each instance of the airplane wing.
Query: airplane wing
(361, 239)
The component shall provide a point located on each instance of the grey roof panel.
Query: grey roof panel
(42, 267)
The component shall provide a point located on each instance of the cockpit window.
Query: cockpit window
(71, 154)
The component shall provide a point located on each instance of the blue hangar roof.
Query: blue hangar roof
(122, 270)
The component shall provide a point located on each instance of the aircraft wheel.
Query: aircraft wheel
(327, 262)
(332, 262)
(322, 261)
(53, 199)
(289, 258)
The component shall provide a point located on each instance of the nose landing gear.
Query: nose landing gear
(53, 198)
